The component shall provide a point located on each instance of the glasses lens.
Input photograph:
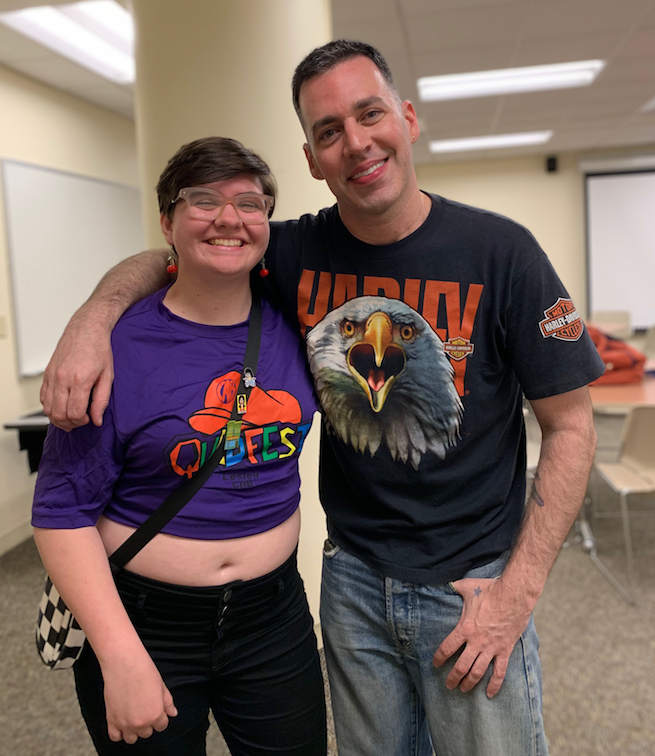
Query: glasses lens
(252, 205)
(203, 200)
(251, 208)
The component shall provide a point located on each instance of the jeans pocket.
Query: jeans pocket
(450, 588)
(330, 549)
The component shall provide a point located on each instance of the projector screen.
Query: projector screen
(64, 232)
(621, 244)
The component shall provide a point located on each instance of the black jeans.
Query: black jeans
(245, 650)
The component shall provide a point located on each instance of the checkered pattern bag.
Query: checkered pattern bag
(59, 639)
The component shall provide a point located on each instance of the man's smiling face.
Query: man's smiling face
(359, 137)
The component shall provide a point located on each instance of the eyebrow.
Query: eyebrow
(359, 105)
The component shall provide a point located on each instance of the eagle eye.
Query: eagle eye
(407, 332)
(348, 328)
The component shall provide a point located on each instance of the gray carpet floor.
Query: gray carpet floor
(598, 651)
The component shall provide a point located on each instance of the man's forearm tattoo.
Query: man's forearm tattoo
(535, 493)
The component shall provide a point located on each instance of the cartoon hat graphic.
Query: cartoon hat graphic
(263, 408)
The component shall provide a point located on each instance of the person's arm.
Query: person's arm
(496, 612)
(136, 697)
(83, 362)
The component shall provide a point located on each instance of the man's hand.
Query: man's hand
(136, 698)
(492, 621)
(82, 363)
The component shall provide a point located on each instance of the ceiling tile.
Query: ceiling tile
(612, 90)
(568, 17)
(380, 33)
(348, 11)
(462, 60)
(480, 107)
(624, 71)
(601, 109)
(649, 21)
(536, 52)
(438, 31)
(417, 7)
(640, 47)
(527, 121)
(403, 75)
(551, 101)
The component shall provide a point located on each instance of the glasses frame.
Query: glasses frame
(270, 203)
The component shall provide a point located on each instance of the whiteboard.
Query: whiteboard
(64, 232)
(621, 244)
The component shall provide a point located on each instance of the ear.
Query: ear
(167, 227)
(409, 114)
(313, 168)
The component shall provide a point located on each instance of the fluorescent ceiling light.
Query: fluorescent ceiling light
(490, 142)
(106, 18)
(68, 34)
(509, 80)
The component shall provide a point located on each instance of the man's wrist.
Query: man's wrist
(521, 585)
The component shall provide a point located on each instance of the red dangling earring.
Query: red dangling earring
(264, 271)
(172, 260)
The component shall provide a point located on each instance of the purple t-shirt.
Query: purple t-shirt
(174, 389)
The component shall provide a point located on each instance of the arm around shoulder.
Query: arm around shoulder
(82, 366)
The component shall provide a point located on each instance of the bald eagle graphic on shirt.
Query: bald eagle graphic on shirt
(383, 378)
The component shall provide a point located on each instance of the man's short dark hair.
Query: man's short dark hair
(206, 161)
(323, 58)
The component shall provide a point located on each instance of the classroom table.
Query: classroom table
(32, 430)
(618, 398)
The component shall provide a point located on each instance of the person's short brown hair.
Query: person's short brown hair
(206, 161)
(322, 59)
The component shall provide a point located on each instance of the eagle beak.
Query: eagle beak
(375, 361)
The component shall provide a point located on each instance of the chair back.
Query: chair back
(638, 439)
(649, 343)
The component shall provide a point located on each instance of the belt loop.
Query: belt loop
(140, 605)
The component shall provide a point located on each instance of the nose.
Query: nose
(357, 138)
(228, 216)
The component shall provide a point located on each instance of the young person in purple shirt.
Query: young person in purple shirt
(212, 613)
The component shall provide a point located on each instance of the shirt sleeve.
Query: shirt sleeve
(77, 474)
(550, 349)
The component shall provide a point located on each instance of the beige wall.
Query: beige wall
(48, 128)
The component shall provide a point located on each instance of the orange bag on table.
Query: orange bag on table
(623, 363)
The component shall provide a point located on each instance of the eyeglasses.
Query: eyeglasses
(206, 204)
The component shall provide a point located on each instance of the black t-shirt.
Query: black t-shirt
(420, 351)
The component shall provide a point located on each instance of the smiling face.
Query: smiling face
(359, 138)
(225, 246)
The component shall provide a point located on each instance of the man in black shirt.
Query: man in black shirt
(425, 322)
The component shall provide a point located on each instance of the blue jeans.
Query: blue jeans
(388, 699)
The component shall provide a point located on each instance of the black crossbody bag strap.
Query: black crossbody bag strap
(176, 501)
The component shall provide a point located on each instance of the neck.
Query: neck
(393, 224)
(210, 300)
